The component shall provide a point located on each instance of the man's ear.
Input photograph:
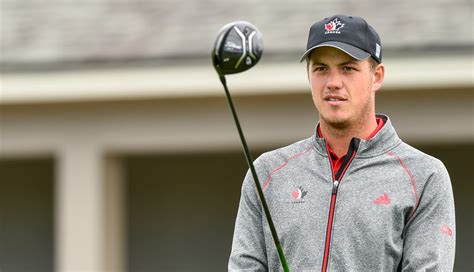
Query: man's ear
(379, 75)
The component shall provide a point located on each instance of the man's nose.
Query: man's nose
(334, 80)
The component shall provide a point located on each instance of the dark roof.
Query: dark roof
(110, 31)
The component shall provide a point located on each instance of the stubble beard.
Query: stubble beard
(352, 124)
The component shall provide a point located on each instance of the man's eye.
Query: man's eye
(348, 68)
(319, 69)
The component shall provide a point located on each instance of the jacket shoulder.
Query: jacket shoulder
(417, 157)
(276, 157)
(422, 166)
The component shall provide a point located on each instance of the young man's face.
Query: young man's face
(342, 87)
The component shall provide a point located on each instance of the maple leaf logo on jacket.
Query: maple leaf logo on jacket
(299, 193)
(334, 26)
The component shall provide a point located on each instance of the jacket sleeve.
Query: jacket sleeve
(430, 235)
(248, 245)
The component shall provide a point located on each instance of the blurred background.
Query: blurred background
(117, 149)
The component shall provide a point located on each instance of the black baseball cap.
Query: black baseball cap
(350, 34)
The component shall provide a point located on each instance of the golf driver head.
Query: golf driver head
(238, 47)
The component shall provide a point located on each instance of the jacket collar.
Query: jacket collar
(383, 141)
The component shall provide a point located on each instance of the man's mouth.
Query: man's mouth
(334, 100)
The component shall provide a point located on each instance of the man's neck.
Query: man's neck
(339, 139)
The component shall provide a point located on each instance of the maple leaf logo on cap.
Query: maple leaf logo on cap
(333, 27)
(299, 193)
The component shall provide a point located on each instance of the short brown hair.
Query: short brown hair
(373, 63)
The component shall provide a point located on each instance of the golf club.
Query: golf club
(238, 47)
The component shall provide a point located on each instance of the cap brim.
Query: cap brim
(351, 50)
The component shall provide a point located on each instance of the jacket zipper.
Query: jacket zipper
(336, 181)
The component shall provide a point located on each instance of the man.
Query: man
(353, 197)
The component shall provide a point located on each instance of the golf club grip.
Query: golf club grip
(248, 157)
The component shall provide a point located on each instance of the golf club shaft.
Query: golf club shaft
(255, 177)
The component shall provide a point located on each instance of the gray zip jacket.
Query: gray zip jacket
(391, 209)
